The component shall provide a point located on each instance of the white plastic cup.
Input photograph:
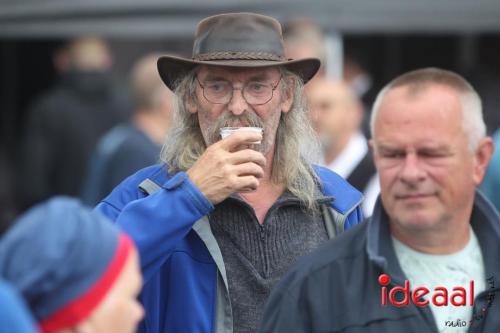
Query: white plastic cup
(227, 131)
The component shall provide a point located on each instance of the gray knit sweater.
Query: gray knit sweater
(257, 256)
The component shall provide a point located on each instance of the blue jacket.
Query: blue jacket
(14, 314)
(185, 284)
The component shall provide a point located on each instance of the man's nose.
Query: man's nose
(237, 105)
(411, 170)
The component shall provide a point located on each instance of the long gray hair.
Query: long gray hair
(296, 144)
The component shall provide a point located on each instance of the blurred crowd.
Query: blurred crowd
(86, 134)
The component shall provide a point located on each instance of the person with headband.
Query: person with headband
(75, 270)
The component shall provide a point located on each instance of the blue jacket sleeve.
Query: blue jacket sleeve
(159, 221)
(355, 217)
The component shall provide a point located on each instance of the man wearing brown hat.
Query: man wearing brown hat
(221, 220)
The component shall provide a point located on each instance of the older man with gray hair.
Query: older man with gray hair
(222, 219)
(427, 260)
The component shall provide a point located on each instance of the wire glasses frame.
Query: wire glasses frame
(244, 91)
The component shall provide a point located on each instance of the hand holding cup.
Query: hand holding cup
(225, 168)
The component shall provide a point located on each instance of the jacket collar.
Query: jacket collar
(346, 197)
(485, 223)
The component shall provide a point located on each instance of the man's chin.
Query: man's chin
(418, 221)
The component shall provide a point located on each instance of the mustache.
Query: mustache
(247, 119)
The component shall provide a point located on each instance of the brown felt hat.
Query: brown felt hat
(236, 40)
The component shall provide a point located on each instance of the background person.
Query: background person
(66, 122)
(337, 116)
(304, 38)
(126, 148)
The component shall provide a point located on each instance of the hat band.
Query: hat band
(227, 55)
(80, 308)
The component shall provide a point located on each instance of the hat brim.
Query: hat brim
(172, 68)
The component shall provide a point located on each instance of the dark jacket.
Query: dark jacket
(336, 288)
(62, 130)
(185, 282)
(124, 150)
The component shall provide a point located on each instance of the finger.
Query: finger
(247, 182)
(247, 155)
(239, 138)
(249, 169)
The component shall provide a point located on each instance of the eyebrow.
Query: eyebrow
(438, 148)
(383, 148)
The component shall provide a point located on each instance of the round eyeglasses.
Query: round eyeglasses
(254, 92)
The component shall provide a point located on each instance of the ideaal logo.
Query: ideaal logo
(459, 296)
(440, 297)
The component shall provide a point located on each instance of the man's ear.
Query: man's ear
(482, 159)
(287, 99)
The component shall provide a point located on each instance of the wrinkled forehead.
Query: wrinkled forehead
(428, 98)
(238, 73)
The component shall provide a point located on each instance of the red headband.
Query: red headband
(81, 307)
